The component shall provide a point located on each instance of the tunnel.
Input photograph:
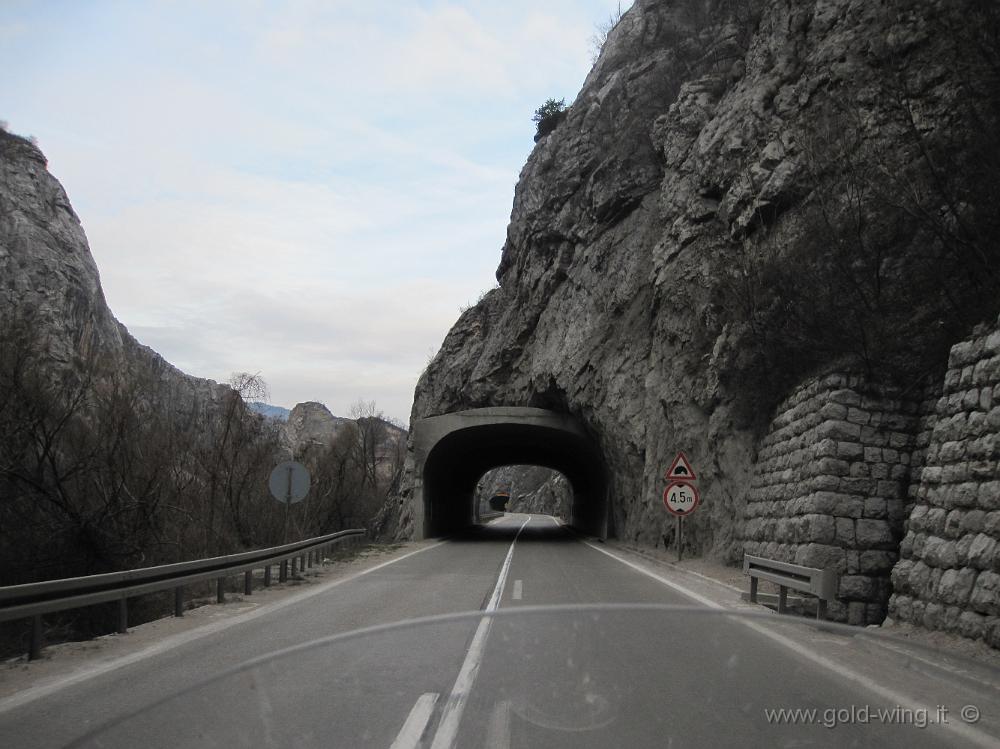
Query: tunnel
(498, 502)
(452, 451)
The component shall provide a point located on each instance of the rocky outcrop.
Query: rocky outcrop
(311, 424)
(49, 281)
(311, 429)
(743, 198)
(45, 263)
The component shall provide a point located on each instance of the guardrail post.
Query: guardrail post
(179, 600)
(293, 562)
(782, 599)
(220, 590)
(302, 563)
(753, 590)
(35, 644)
(248, 583)
(122, 615)
(267, 576)
(283, 571)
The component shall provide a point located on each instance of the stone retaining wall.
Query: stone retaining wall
(899, 494)
(830, 488)
(949, 574)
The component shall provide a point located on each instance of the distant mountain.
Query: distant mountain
(272, 412)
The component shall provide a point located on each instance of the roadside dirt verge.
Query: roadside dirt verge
(61, 661)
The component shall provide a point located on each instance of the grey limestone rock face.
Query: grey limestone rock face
(48, 277)
(311, 423)
(693, 144)
(45, 264)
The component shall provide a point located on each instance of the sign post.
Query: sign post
(681, 495)
(289, 483)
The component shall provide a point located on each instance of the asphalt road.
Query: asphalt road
(600, 674)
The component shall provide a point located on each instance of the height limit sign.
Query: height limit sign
(681, 495)
(680, 498)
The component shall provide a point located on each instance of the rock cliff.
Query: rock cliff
(110, 457)
(48, 280)
(742, 197)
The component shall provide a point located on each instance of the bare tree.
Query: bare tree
(602, 29)
(369, 438)
(242, 453)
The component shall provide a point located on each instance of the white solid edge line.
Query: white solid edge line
(44, 690)
(413, 729)
(669, 583)
(965, 730)
(451, 716)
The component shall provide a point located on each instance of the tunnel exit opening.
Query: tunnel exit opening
(523, 488)
(452, 453)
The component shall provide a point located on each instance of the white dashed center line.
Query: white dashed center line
(452, 714)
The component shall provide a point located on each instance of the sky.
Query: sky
(309, 190)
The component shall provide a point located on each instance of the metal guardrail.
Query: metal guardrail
(32, 600)
(815, 582)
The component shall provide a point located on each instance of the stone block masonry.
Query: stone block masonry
(830, 488)
(948, 577)
(899, 493)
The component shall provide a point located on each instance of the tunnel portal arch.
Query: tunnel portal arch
(452, 451)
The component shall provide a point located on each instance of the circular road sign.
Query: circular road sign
(680, 497)
(289, 481)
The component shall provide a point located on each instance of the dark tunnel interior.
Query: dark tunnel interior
(499, 502)
(459, 459)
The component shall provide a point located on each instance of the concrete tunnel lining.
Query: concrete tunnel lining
(452, 451)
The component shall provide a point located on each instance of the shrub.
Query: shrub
(548, 116)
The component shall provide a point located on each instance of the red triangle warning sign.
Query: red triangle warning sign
(681, 468)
